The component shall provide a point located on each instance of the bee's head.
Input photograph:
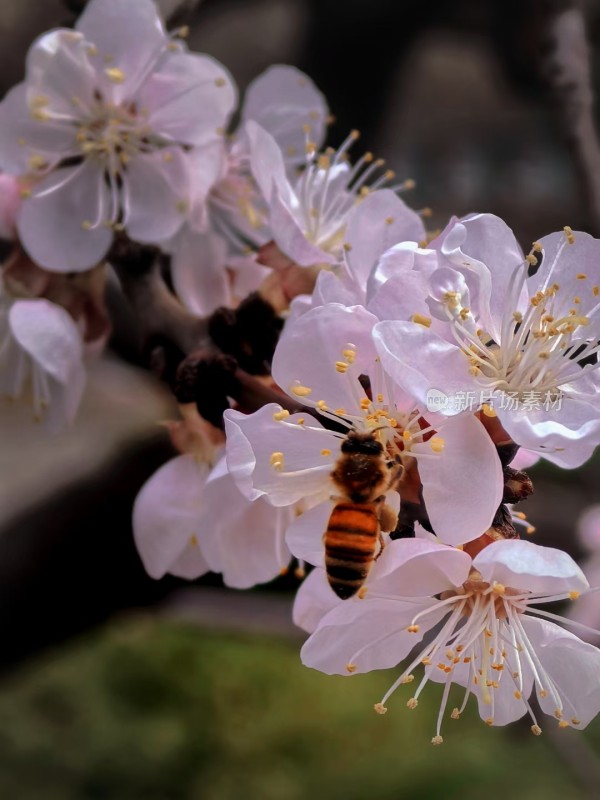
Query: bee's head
(363, 443)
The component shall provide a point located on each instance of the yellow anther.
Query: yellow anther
(347, 247)
(581, 276)
(569, 234)
(325, 452)
(499, 588)
(220, 82)
(407, 436)
(536, 730)
(421, 319)
(455, 714)
(379, 397)
(407, 678)
(350, 355)
(595, 290)
(489, 721)
(362, 592)
(488, 410)
(324, 162)
(409, 184)
(340, 411)
(389, 220)
(575, 721)
(564, 724)
(167, 156)
(39, 115)
(577, 300)
(365, 403)
(115, 75)
(437, 444)
(300, 421)
(300, 391)
(426, 212)
(193, 540)
(464, 313)
(437, 740)
(531, 259)
(322, 405)
(276, 460)
(558, 713)
(518, 695)
(36, 161)
(413, 629)
(380, 708)
(183, 32)
(412, 703)
(364, 191)
(351, 668)
(86, 225)
(284, 570)
(426, 661)
(279, 415)
(530, 530)
(299, 573)
(537, 247)
(390, 174)
(341, 366)
(354, 134)
(574, 595)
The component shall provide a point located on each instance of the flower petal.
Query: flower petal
(530, 567)
(67, 201)
(313, 600)
(419, 567)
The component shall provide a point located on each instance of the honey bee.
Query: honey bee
(353, 537)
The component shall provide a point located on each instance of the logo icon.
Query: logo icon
(437, 400)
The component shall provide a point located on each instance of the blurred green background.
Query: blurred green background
(148, 709)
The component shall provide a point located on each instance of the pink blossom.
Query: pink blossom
(488, 635)
(107, 121)
(496, 330)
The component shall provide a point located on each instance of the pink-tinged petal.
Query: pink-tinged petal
(206, 167)
(381, 220)
(253, 439)
(524, 459)
(467, 468)
(420, 361)
(49, 335)
(283, 100)
(59, 70)
(588, 528)
(128, 36)
(573, 667)
(290, 237)
(22, 137)
(366, 634)
(190, 98)
(244, 540)
(336, 286)
(309, 349)
(566, 436)
(157, 196)
(484, 245)
(54, 222)
(313, 600)
(267, 164)
(530, 567)
(401, 297)
(586, 609)
(165, 515)
(419, 568)
(562, 263)
(190, 565)
(198, 270)
(402, 257)
(305, 535)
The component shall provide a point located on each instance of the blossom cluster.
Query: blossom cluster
(363, 465)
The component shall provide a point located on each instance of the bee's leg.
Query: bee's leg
(381, 546)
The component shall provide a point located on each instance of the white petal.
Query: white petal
(468, 468)
(51, 222)
(190, 98)
(290, 238)
(253, 438)
(198, 270)
(310, 347)
(313, 600)
(157, 196)
(419, 567)
(49, 335)
(283, 100)
(381, 220)
(530, 568)
(129, 36)
(305, 535)
(573, 666)
(165, 515)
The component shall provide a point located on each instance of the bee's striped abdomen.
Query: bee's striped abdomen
(351, 542)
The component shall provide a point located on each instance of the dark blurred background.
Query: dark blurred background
(117, 686)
